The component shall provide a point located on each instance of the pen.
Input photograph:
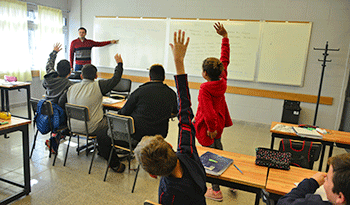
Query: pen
(238, 168)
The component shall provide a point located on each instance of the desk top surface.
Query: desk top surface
(332, 136)
(282, 182)
(14, 122)
(15, 84)
(253, 175)
(117, 105)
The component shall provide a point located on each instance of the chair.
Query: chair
(80, 113)
(304, 153)
(122, 126)
(121, 90)
(46, 110)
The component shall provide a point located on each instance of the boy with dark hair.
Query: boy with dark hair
(151, 105)
(56, 82)
(183, 175)
(336, 184)
(89, 72)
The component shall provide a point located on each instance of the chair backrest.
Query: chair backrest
(304, 153)
(121, 123)
(77, 112)
(34, 103)
(122, 88)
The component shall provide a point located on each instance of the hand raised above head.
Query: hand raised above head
(220, 29)
(114, 41)
(57, 47)
(179, 50)
(118, 58)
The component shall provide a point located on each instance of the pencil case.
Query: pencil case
(273, 158)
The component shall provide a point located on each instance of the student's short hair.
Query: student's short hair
(341, 176)
(89, 71)
(82, 28)
(156, 72)
(213, 67)
(63, 68)
(155, 155)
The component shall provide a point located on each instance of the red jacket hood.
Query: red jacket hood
(215, 88)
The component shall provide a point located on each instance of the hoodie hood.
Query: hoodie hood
(215, 88)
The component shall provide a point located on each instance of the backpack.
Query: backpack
(58, 118)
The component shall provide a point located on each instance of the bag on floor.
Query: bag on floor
(42, 121)
(273, 158)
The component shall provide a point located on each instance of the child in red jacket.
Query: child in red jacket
(212, 113)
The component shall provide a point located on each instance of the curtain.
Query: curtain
(14, 40)
(50, 24)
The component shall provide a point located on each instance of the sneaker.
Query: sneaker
(233, 190)
(213, 195)
(119, 169)
(47, 143)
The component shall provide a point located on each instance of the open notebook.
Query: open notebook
(215, 164)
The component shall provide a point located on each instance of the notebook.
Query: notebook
(303, 132)
(215, 164)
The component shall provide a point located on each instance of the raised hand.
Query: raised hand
(57, 47)
(118, 58)
(220, 29)
(179, 51)
(114, 41)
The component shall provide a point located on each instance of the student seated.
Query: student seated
(183, 175)
(56, 83)
(151, 105)
(336, 184)
(90, 93)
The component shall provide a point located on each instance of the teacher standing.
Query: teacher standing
(81, 48)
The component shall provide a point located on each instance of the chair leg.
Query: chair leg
(54, 159)
(137, 172)
(34, 142)
(93, 155)
(109, 161)
(65, 158)
(87, 146)
(78, 144)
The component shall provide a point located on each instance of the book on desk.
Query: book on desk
(310, 133)
(215, 164)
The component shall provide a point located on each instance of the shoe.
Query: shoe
(119, 169)
(213, 195)
(153, 176)
(233, 190)
(47, 143)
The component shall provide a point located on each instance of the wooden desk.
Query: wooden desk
(5, 96)
(253, 178)
(115, 106)
(328, 139)
(19, 124)
(281, 182)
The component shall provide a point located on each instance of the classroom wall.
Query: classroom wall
(331, 22)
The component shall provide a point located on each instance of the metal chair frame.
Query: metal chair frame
(125, 125)
(80, 113)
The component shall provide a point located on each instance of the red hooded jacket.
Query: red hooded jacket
(212, 113)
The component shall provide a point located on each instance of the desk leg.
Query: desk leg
(272, 141)
(28, 103)
(26, 166)
(322, 156)
(257, 197)
(7, 100)
(330, 153)
(2, 100)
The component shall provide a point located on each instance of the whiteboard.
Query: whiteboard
(205, 42)
(284, 49)
(141, 42)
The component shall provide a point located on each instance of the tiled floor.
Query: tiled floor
(73, 185)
